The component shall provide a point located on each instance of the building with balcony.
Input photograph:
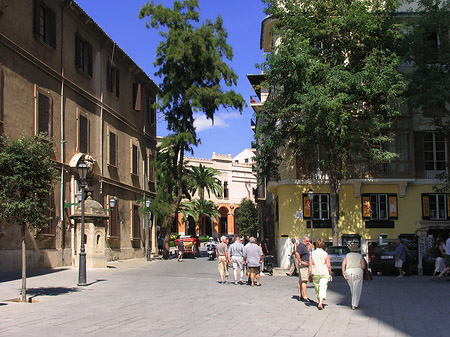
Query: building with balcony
(385, 201)
(62, 75)
(238, 182)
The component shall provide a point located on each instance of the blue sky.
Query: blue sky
(231, 132)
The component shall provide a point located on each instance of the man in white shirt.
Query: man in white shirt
(447, 257)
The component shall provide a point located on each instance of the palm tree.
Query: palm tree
(199, 209)
(203, 178)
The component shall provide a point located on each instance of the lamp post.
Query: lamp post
(148, 202)
(82, 175)
(311, 198)
(187, 223)
(112, 203)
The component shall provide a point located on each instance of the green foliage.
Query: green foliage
(26, 174)
(247, 218)
(191, 61)
(201, 178)
(333, 76)
(427, 47)
(198, 208)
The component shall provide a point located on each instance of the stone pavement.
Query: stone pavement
(169, 298)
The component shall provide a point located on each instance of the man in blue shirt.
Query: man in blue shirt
(302, 255)
(400, 257)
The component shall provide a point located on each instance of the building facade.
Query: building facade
(238, 182)
(387, 201)
(61, 75)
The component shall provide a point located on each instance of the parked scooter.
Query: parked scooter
(211, 250)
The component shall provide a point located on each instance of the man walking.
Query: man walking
(400, 257)
(222, 259)
(252, 258)
(302, 255)
(447, 258)
(236, 251)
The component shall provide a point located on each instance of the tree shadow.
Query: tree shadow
(50, 291)
(17, 275)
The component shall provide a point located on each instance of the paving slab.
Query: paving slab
(170, 298)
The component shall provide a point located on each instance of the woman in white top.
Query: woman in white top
(320, 269)
(353, 267)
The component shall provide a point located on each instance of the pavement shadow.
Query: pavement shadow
(50, 291)
(17, 275)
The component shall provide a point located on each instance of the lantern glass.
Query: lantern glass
(148, 202)
(82, 170)
(112, 202)
(310, 195)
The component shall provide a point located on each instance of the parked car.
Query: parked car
(337, 254)
(429, 260)
(382, 259)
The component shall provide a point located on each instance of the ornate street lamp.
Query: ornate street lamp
(148, 202)
(311, 198)
(187, 224)
(112, 203)
(82, 175)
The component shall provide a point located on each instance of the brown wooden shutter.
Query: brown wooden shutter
(137, 96)
(36, 10)
(52, 28)
(83, 134)
(89, 60)
(117, 82)
(44, 114)
(77, 50)
(419, 156)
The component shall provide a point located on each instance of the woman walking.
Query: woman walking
(353, 267)
(320, 269)
(294, 262)
(439, 265)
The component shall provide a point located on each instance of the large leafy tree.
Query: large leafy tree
(26, 175)
(428, 51)
(331, 77)
(192, 61)
(199, 209)
(247, 218)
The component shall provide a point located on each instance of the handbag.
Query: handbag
(367, 276)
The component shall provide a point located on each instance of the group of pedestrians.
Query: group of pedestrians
(239, 256)
(313, 265)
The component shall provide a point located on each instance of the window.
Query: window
(134, 159)
(321, 207)
(83, 55)
(44, 115)
(434, 151)
(435, 206)
(83, 134)
(114, 229)
(225, 190)
(112, 74)
(137, 96)
(379, 206)
(136, 233)
(112, 149)
(151, 171)
(151, 110)
(44, 23)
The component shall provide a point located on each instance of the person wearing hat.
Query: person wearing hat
(353, 267)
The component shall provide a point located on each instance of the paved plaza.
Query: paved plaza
(170, 298)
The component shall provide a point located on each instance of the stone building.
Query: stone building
(238, 182)
(62, 75)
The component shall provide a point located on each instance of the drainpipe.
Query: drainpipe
(62, 147)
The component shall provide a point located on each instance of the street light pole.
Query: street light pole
(311, 198)
(82, 174)
(148, 202)
(187, 223)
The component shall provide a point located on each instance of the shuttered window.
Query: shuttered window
(435, 206)
(134, 159)
(136, 233)
(112, 78)
(83, 54)
(112, 149)
(44, 114)
(114, 229)
(44, 23)
(83, 134)
(434, 152)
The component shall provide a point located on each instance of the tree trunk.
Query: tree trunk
(24, 264)
(334, 205)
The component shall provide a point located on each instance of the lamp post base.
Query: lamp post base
(149, 254)
(82, 270)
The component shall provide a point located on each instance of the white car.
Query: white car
(337, 254)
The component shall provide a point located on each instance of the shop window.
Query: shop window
(320, 208)
(435, 206)
(379, 206)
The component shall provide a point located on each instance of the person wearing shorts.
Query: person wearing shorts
(302, 255)
(400, 257)
(253, 256)
(222, 259)
(236, 252)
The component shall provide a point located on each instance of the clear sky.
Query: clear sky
(231, 132)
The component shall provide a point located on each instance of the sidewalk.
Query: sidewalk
(170, 298)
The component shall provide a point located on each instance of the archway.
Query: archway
(223, 223)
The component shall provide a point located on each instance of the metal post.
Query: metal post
(149, 249)
(82, 263)
(311, 202)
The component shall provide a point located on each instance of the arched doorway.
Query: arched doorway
(223, 224)
(236, 229)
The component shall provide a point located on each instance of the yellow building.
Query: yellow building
(392, 200)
